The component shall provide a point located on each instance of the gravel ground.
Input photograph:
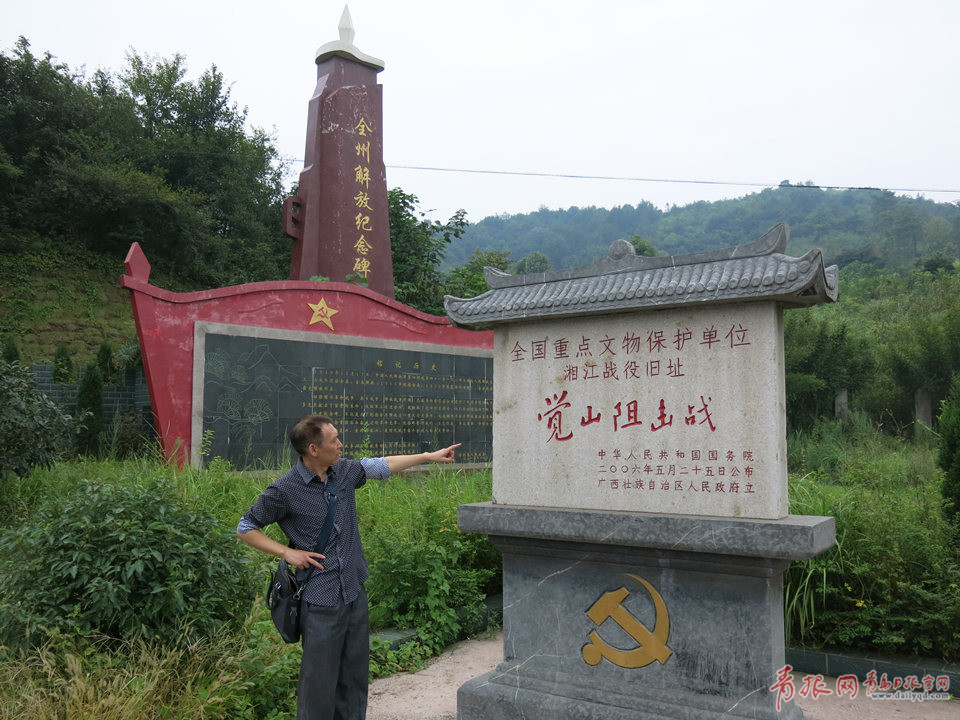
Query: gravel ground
(431, 694)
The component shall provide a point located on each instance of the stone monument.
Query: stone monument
(640, 484)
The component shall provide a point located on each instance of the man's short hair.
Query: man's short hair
(309, 429)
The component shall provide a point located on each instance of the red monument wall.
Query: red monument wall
(165, 326)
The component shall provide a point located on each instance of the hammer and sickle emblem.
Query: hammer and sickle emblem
(651, 645)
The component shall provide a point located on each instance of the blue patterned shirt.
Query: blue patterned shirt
(297, 502)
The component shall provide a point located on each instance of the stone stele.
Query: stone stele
(640, 485)
(646, 384)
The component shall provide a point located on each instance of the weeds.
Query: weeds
(386, 660)
(248, 675)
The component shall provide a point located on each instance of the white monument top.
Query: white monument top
(345, 48)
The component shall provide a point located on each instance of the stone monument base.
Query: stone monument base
(623, 616)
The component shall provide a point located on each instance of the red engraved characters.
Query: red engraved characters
(691, 418)
(554, 416)
(662, 420)
(625, 414)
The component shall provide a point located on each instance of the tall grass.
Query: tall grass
(251, 674)
(891, 584)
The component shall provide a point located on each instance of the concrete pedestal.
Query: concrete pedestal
(629, 615)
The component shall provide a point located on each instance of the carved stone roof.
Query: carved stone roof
(623, 282)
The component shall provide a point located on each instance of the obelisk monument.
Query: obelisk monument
(338, 218)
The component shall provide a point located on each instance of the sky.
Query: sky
(680, 100)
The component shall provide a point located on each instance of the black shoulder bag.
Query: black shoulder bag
(283, 593)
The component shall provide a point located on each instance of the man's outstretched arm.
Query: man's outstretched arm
(396, 463)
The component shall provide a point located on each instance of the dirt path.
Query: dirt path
(431, 694)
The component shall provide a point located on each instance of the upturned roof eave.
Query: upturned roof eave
(792, 282)
(492, 320)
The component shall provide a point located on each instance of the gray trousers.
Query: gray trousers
(334, 672)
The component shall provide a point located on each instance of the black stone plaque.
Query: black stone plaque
(384, 399)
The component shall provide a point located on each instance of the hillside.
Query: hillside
(49, 299)
(873, 226)
(73, 297)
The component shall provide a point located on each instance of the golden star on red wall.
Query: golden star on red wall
(322, 313)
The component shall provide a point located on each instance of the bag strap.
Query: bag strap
(324, 536)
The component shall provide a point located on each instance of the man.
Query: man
(334, 627)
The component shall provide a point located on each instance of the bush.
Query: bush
(108, 369)
(124, 561)
(128, 356)
(62, 366)
(948, 455)
(33, 430)
(424, 573)
(90, 408)
(10, 352)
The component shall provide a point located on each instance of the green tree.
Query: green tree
(11, 354)
(468, 281)
(643, 247)
(108, 370)
(147, 156)
(904, 233)
(923, 348)
(948, 451)
(41, 108)
(820, 358)
(418, 246)
(197, 135)
(62, 366)
(535, 262)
